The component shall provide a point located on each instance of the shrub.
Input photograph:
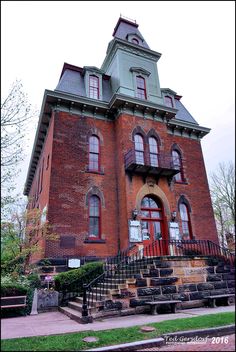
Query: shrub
(82, 275)
(17, 289)
(34, 280)
(18, 286)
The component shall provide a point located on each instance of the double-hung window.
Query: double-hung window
(93, 87)
(168, 101)
(177, 163)
(94, 153)
(141, 87)
(185, 221)
(94, 217)
(139, 149)
(153, 151)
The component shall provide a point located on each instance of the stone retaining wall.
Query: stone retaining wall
(190, 280)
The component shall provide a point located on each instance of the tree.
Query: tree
(22, 238)
(16, 113)
(222, 187)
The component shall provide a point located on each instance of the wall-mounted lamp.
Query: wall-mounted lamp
(134, 213)
(173, 215)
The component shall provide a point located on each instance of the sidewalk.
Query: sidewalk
(53, 323)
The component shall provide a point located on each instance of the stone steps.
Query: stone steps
(190, 280)
(78, 307)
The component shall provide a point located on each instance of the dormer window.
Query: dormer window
(93, 87)
(169, 101)
(141, 87)
(135, 41)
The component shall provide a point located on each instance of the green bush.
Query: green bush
(13, 289)
(17, 289)
(18, 285)
(89, 271)
(34, 280)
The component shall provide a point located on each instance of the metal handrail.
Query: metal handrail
(126, 265)
(165, 160)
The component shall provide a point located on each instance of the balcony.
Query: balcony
(136, 163)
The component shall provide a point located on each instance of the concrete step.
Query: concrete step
(98, 296)
(71, 313)
(78, 307)
(110, 286)
(101, 289)
(92, 304)
(114, 280)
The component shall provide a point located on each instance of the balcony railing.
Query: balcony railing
(143, 163)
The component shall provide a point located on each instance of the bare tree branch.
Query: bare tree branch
(222, 187)
(16, 112)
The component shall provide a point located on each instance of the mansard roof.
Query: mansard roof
(125, 27)
(72, 82)
(183, 113)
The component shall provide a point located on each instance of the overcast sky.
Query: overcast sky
(196, 40)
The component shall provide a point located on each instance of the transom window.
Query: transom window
(177, 163)
(185, 221)
(139, 149)
(94, 216)
(153, 150)
(141, 87)
(94, 153)
(168, 101)
(93, 87)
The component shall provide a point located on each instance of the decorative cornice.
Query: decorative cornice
(140, 70)
(121, 44)
(126, 103)
(78, 105)
(186, 129)
(168, 90)
(92, 69)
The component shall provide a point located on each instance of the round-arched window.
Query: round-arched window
(153, 150)
(139, 149)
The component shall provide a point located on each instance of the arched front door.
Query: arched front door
(152, 220)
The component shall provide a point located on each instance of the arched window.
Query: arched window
(177, 163)
(139, 149)
(94, 153)
(141, 87)
(93, 87)
(185, 221)
(152, 219)
(94, 216)
(135, 41)
(153, 150)
(168, 101)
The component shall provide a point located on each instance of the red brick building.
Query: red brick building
(117, 160)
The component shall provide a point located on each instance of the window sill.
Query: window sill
(99, 172)
(181, 182)
(97, 240)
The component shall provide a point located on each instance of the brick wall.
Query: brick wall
(67, 181)
(70, 182)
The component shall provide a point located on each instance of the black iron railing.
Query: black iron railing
(163, 160)
(128, 264)
(75, 288)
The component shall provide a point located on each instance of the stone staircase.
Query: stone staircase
(189, 279)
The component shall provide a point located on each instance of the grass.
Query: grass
(73, 341)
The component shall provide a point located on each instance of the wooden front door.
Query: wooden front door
(152, 220)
